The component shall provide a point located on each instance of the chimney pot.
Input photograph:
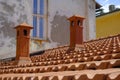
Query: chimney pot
(23, 40)
(76, 30)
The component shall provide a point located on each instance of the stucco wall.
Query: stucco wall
(108, 24)
(59, 11)
(91, 20)
(12, 13)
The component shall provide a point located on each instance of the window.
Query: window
(39, 18)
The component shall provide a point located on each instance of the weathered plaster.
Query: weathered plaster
(91, 19)
(60, 29)
(12, 13)
(58, 9)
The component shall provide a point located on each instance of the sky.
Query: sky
(106, 3)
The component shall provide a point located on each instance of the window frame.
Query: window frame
(40, 26)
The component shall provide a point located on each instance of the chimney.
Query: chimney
(22, 41)
(76, 31)
(111, 8)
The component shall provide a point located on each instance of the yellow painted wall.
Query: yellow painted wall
(108, 24)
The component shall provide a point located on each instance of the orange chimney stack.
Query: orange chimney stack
(23, 40)
(76, 30)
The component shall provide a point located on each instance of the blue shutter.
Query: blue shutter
(34, 18)
(41, 7)
(41, 22)
(41, 19)
(34, 6)
(34, 26)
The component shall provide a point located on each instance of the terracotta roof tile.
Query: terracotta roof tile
(97, 60)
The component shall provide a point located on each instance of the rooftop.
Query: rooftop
(98, 5)
(98, 60)
(110, 12)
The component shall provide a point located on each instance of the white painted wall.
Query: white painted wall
(91, 19)
(85, 8)
(14, 12)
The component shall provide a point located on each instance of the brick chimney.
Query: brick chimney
(22, 41)
(76, 30)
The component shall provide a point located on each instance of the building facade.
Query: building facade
(48, 18)
(108, 24)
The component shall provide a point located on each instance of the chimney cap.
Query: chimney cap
(24, 25)
(76, 17)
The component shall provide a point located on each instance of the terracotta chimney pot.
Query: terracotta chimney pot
(76, 30)
(22, 43)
